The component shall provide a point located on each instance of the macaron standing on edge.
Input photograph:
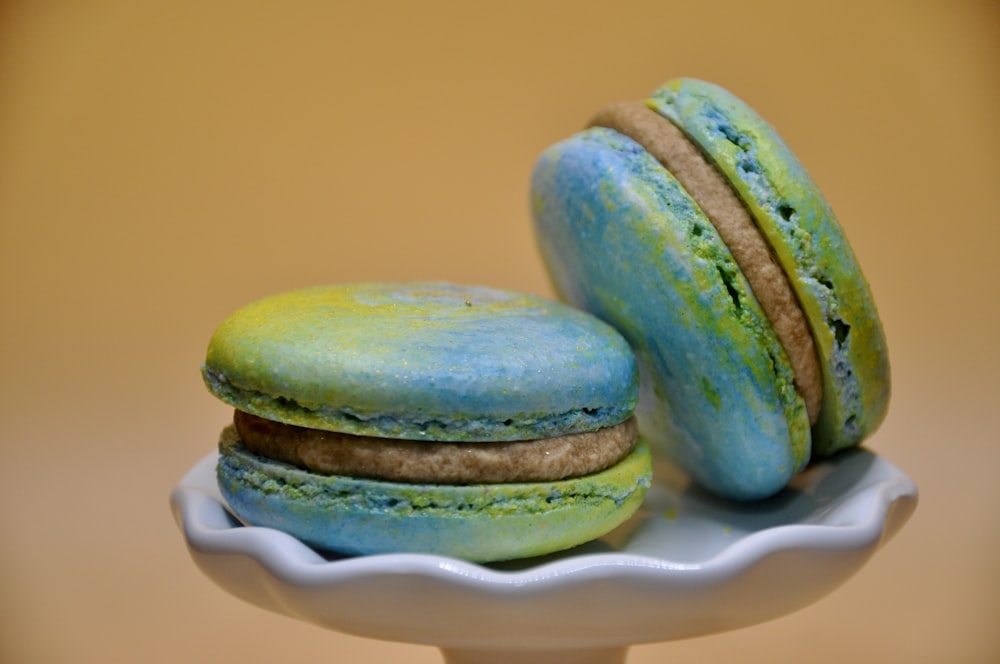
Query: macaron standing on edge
(686, 222)
(427, 417)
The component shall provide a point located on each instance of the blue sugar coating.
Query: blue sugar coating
(480, 523)
(622, 239)
(423, 361)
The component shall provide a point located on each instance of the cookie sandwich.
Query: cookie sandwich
(687, 223)
(427, 417)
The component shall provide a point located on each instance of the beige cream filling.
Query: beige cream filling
(714, 195)
(332, 453)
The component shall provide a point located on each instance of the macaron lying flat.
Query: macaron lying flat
(687, 223)
(427, 417)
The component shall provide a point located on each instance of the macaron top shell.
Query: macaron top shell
(808, 243)
(623, 239)
(423, 361)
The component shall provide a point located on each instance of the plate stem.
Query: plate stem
(593, 656)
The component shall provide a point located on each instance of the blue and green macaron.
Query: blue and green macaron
(687, 223)
(427, 417)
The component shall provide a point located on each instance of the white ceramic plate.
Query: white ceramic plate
(685, 565)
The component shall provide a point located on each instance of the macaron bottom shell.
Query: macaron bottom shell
(809, 244)
(479, 523)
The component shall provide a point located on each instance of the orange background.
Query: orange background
(163, 163)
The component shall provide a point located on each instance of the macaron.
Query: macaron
(427, 417)
(687, 223)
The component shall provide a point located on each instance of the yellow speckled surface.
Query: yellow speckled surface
(422, 361)
(165, 162)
